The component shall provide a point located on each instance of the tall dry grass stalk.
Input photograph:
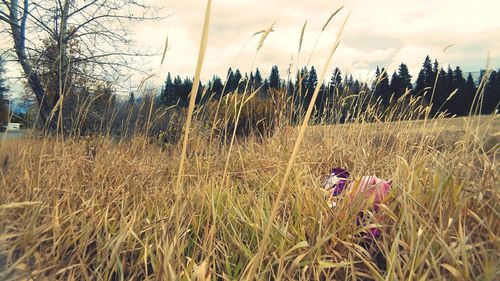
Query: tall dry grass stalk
(277, 201)
(165, 48)
(264, 36)
(192, 99)
(302, 36)
(323, 28)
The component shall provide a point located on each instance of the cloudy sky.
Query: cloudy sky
(378, 32)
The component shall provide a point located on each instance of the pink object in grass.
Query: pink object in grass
(374, 189)
(370, 187)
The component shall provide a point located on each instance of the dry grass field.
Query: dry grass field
(252, 208)
(99, 209)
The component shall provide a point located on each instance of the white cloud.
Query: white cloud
(379, 32)
(382, 32)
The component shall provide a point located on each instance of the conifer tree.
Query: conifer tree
(435, 71)
(236, 80)
(459, 103)
(309, 83)
(243, 83)
(301, 81)
(258, 78)
(312, 80)
(187, 85)
(289, 88)
(167, 96)
(177, 91)
(335, 87)
(425, 79)
(405, 77)
(349, 82)
(321, 101)
(450, 80)
(395, 86)
(441, 93)
(231, 84)
(336, 80)
(274, 78)
(491, 93)
(251, 82)
(216, 87)
(470, 92)
(356, 85)
(382, 87)
(265, 86)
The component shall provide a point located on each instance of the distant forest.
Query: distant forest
(74, 61)
(448, 90)
(277, 99)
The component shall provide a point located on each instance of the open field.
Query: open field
(12, 135)
(254, 176)
(446, 131)
(97, 209)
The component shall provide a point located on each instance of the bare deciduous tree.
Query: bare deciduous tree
(100, 28)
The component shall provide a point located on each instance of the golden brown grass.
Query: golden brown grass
(101, 209)
(94, 209)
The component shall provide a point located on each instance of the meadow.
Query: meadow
(214, 205)
(98, 209)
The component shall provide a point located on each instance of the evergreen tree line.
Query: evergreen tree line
(341, 99)
(447, 90)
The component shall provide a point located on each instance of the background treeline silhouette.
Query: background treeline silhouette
(251, 103)
(447, 90)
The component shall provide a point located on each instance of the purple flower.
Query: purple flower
(337, 181)
(374, 233)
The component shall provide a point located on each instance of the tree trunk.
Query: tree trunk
(18, 35)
